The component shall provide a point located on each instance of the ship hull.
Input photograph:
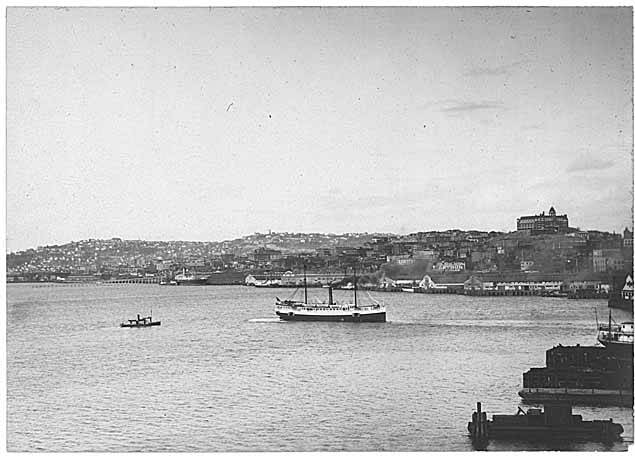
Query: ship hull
(192, 282)
(226, 278)
(378, 317)
(602, 432)
(580, 396)
(555, 423)
(154, 323)
(622, 350)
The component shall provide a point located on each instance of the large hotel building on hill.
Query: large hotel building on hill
(537, 224)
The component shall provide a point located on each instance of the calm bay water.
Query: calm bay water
(221, 373)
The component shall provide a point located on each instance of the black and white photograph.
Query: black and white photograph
(318, 229)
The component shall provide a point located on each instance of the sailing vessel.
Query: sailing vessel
(291, 310)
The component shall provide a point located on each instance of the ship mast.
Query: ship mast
(355, 286)
(305, 292)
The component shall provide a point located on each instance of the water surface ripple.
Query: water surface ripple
(223, 374)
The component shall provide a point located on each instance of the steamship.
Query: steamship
(185, 278)
(291, 310)
(617, 338)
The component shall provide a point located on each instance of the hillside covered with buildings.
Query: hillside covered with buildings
(542, 244)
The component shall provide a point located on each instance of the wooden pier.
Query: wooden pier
(543, 293)
(98, 283)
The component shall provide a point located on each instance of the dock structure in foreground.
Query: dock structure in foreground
(556, 422)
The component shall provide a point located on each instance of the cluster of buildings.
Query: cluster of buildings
(126, 258)
(537, 284)
(104, 256)
(543, 243)
(466, 283)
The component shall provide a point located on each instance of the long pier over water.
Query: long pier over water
(140, 280)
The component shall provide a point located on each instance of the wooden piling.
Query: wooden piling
(480, 423)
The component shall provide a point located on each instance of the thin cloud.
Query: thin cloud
(469, 106)
(562, 185)
(493, 70)
(453, 106)
(536, 126)
(588, 163)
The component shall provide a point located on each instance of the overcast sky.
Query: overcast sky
(210, 124)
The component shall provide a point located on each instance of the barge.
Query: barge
(556, 422)
(581, 375)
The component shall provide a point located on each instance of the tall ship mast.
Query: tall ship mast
(291, 310)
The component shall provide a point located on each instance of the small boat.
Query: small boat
(329, 311)
(556, 422)
(140, 322)
(617, 338)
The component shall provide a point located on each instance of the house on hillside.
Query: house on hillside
(449, 266)
(627, 291)
(608, 260)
